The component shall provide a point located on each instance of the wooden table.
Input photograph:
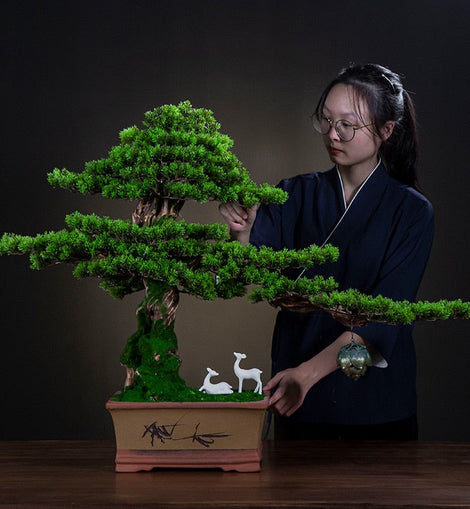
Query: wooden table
(294, 474)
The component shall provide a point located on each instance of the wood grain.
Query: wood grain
(294, 474)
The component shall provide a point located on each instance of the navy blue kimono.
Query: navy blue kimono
(384, 241)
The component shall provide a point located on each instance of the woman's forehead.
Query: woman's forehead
(343, 100)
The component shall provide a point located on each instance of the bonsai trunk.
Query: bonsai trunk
(150, 210)
(152, 351)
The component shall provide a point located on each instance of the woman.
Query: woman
(369, 207)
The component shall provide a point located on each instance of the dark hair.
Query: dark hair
(383, 93)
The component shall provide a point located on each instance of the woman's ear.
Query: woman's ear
(387, 129)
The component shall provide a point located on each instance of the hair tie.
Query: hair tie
(394, 90)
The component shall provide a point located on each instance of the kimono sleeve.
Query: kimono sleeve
(401, 272)
(269, 228)
(266, 230)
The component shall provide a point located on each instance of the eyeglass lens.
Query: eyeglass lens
(344, 130)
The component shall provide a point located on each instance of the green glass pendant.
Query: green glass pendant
(354, 360)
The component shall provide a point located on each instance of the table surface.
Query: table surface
(294, 474)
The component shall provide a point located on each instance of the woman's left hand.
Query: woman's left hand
(290, 388)
(291, 385)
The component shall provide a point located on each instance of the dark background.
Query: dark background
(75, 73)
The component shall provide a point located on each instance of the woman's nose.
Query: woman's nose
(332, 134)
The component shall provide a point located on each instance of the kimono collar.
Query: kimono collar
(347, 206)
(373, 183)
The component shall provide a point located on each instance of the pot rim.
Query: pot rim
(124, 405)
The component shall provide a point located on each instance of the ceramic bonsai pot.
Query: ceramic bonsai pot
(188, 435)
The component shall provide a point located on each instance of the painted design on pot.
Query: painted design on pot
(167, 432)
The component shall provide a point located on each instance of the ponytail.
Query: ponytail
(400, 151)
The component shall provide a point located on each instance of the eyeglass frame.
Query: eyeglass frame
(333, 123)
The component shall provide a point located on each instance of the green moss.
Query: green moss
(187, 394)
(152, 353)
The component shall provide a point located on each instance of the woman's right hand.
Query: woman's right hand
(239, 219)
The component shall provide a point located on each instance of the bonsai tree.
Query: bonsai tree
(180, 155)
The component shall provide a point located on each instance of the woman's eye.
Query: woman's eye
(345, 124)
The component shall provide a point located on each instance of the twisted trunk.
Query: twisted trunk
(147, 212)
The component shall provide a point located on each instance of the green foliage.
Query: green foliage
(199, 260)
(373, 308)
(196, 258)
(441, 310)
(179, 154)
(165, 229)
(381, 309)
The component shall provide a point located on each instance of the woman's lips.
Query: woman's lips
(334, 151)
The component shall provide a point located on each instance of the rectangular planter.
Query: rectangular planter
(188, 435)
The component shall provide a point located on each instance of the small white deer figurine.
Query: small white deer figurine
(219, 388)
(246, 374)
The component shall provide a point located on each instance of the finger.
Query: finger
(228, 208)
(275, 398)
(237, 210)
(286, 407)
(283, 407)
(289, 411)
(241, 211)
(278, 394)
(271, 384)
(251, 212)
(228, 213)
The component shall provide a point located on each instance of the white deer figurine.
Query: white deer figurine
(246, 374)
(219, 388)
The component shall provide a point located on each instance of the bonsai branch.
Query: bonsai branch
(302, 304)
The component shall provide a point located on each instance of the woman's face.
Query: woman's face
(359, 154)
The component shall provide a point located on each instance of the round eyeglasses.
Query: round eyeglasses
(344, 129)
